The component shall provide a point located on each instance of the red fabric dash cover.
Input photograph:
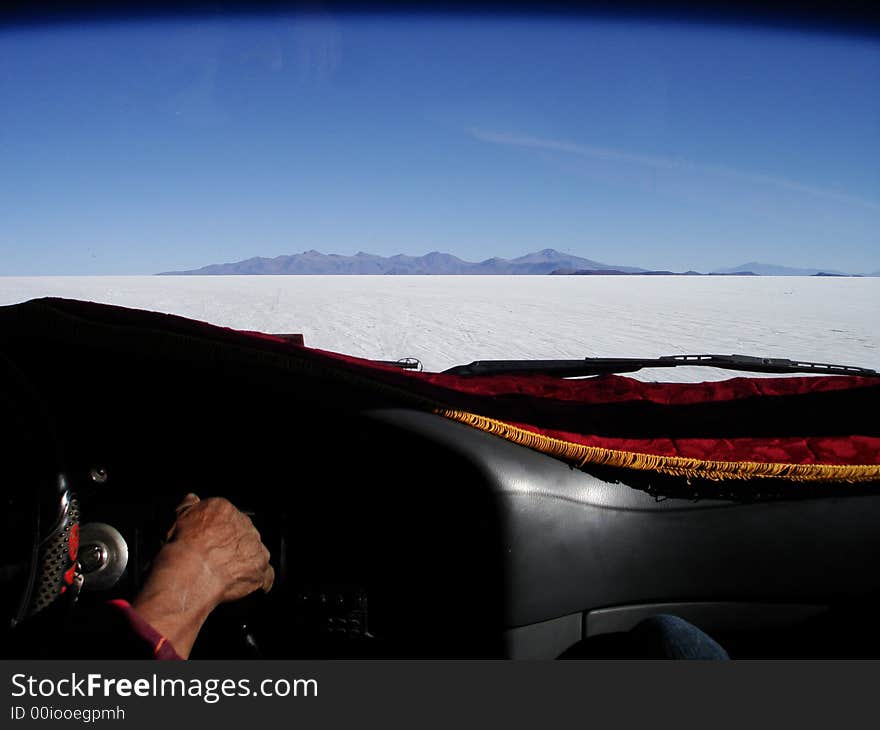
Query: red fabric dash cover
(800, 420)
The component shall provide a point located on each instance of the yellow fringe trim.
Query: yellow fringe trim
(580, 455)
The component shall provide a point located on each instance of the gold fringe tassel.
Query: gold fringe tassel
(580, 455)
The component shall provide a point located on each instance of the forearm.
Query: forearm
(213, 555)
(177, 597)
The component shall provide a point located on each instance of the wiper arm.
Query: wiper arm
(600, 365)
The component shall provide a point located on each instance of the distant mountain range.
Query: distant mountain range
(314, 262)
(547, 261)
(655, 272)
(773, 270)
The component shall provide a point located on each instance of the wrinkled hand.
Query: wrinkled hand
(234, 560)
(213, 555)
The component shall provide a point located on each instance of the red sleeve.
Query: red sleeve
(161, 647)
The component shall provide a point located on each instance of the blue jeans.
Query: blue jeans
(669, 637)
(659, 637)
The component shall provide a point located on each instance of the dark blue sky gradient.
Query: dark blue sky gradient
(137, 147)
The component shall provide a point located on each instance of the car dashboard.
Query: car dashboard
(431, 539)
(395, 532)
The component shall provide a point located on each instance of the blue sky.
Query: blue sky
(137, 147)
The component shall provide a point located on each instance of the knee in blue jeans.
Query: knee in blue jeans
(671, 637)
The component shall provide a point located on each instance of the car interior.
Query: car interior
(395, 532)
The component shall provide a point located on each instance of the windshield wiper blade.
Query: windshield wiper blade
(599, 365)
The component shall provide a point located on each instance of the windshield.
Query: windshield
(453, 188)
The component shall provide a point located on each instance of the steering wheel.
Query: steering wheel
(40, 541)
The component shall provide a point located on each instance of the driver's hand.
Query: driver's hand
(213, 555)
(235, 562)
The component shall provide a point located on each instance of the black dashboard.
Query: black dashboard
(432, 539)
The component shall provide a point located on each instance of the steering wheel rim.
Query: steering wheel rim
(46, 538)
